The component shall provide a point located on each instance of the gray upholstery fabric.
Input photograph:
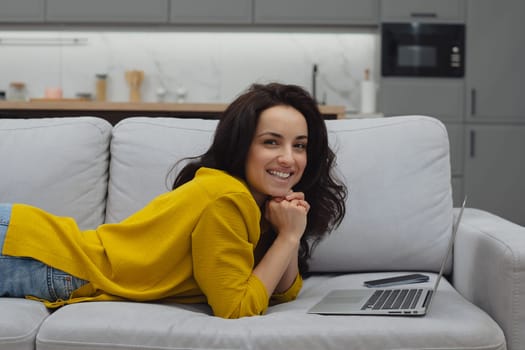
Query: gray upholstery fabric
(20, 321)
(489, 270)
(399, 218)
(397, 171)
(399, 208)
(453, 323)
(143, 151)
(58, 164)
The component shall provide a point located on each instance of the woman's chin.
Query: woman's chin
(279, 194)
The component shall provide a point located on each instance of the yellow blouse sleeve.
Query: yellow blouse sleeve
(223, 242)
(290, 294)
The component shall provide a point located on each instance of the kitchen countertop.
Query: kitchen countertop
(115, 111)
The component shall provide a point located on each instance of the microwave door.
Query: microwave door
(414, 49)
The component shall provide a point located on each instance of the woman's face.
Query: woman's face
(277, 156)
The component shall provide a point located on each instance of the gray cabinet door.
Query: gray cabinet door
(456, 133)
(495, 60)
(423, 10)
(495, 170)
(211, 11)
(439, 98)
(12, 11)
(343, 12)
(107, 11)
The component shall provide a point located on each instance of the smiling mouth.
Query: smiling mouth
(279, 174)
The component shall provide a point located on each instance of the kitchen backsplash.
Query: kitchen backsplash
(194, 66)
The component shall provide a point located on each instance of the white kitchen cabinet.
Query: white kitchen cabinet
(495, 58)
(331, 12)
(443, 11)
(21, 11)
(211, 11)
(495, 170)
(107, 11)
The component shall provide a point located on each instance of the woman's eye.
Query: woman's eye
(300, 146)
(270, 142)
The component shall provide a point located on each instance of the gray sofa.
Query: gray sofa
(399, 218)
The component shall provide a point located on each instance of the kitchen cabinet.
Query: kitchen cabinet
(330, 12)
(21, 11)
(107, 11)
(456, 136)
(495, 61)
(495, 170)
(436, 97)
(443, 11)
(456, 142)
(211, 11)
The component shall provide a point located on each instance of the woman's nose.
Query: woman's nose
(286, 156)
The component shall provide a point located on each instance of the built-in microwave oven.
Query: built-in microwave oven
(422, 50)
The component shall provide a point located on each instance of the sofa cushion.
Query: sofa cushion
(143, 154)
(452, 323)
(399, 208)
(58, 164)
(20, 321)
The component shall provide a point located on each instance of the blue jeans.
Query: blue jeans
(20, 277)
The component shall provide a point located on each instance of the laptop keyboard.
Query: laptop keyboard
(392, 299)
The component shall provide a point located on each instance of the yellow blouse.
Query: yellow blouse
(194, 244)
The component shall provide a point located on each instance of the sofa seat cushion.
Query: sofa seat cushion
(452, 323)
(20, 321)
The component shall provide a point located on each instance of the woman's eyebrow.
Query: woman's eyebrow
(275, 134)
(270, 133)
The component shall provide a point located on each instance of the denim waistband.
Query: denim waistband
(5, 216)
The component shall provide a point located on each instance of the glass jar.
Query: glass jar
(17, 91)
(101, 87)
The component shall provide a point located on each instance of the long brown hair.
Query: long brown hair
(233, 136)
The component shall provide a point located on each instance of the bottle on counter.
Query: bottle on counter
(101, 87)
(17, 91)
(134, 78)
(368, 94)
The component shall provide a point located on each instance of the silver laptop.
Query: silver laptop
(400, 301)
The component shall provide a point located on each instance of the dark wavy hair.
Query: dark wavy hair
(233, 137)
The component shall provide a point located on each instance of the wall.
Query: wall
(208, 66)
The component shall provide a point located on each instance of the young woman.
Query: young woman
(235, 232)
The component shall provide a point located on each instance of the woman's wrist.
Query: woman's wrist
(292, 269)
(289, 239)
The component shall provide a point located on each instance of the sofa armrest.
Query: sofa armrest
(489, 270)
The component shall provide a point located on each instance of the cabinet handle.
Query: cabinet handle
(473, 102)
(472, 143)
(423, 14)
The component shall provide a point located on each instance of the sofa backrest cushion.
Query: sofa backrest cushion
(58, 164)
(144, 156)
(399, 207)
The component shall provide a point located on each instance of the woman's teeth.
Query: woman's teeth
(280, 174)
